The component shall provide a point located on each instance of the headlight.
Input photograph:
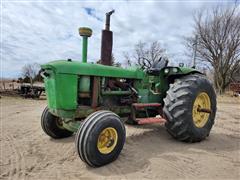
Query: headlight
(175, 70)
(166, 71)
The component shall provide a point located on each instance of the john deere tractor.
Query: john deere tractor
(92, 100)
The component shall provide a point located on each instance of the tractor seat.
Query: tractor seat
(158, 66)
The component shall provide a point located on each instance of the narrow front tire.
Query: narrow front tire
(52, 126)
(100, 138)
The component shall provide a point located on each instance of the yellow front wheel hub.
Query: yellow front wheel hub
(202, 101)
(107, 140)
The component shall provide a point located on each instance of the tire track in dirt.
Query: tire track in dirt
(17, 167)
(5, 174)
(59, 157)
(178, 164)
(136, 138)
(20, 143)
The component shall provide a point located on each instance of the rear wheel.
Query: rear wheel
(190, 108)
(100, 138)
(52, 125)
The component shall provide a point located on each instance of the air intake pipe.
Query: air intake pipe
(85, 33)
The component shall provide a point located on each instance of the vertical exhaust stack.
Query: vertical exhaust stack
(107, 42)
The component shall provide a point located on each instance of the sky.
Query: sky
(43, 31)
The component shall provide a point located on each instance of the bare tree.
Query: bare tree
(113, 62)
(30, 71)
(218, 44)
(144, 55)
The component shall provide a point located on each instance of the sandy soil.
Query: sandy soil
(149, 152)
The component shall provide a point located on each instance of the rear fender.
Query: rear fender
(177, 72)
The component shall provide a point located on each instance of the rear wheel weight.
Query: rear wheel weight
(185, 98)
(100, 139)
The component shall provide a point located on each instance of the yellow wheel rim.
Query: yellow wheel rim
(107, 140)
(202, 101)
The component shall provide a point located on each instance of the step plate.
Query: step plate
(150, 120)
(141, 105)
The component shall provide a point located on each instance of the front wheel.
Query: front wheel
(190, 108)
(100, 138)
(52, 125)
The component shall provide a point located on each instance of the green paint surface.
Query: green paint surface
(78, 68)
(61, 91)
(84, 49)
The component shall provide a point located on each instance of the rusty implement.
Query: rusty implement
(235, 88)
(31, 91)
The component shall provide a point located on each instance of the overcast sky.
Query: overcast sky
(33, 31)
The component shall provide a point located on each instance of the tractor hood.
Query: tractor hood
(79, 68)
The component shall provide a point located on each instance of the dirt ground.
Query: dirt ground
(149, 152)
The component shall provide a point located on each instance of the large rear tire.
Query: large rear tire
(185, 108)
(51, 125)
(100, 138)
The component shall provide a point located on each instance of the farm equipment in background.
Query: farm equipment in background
(31, 91)
(26, 90)
(91, 100)
(235, 88)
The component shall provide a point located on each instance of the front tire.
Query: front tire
(184, 104)
(100, 138)
(51, 125)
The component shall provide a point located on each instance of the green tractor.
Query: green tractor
(93, 100)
